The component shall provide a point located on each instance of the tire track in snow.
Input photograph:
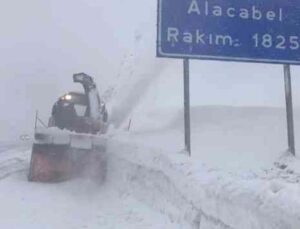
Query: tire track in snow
(14, 158)
(12, 166)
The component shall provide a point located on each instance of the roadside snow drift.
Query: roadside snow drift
(196, 196)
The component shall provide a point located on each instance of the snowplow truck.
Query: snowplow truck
(72, 144)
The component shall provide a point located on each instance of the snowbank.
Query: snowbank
(198, 197)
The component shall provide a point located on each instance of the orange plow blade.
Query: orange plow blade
(50, 163)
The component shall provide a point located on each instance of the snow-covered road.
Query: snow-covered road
(75, 204)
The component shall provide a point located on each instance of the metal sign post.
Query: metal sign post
(186, 85)
(289, 108)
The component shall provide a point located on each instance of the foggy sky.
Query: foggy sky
(43, 43)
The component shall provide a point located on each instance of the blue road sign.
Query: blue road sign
(249, 30)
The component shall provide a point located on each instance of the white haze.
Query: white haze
(42, 43)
